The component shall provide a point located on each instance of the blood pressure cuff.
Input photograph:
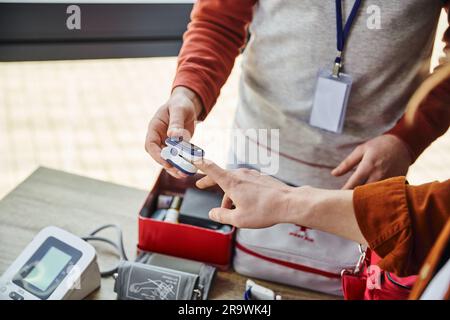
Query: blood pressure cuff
(161, 277)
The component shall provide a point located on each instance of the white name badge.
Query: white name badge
(330, 101)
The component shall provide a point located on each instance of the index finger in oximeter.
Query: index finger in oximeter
(55, 265)
(181, 154)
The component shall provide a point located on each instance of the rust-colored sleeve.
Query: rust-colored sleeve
(217, 31)
(401, 222)
(432, 119)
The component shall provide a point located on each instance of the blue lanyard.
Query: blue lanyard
(343, 31)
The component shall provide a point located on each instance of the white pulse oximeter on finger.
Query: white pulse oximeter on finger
(181, 154)
(55, 265)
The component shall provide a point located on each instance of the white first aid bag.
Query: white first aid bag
(295, 255)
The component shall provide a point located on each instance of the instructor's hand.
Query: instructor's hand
(174, 119)
(380, 158)
(251, 200)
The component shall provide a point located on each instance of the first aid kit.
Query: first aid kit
(192, 235)
(296, 256)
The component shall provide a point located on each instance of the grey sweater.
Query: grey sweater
(292, 39)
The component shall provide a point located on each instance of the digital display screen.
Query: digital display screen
(46, 270)
(47, 267)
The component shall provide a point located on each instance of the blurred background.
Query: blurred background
(90, 117)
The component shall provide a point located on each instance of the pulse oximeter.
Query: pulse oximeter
(181, 154)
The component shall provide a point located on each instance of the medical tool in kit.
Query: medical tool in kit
(255, 291)
(173, 212)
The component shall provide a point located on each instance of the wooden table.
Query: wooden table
(79, 205)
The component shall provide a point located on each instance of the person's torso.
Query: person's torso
(387, 54)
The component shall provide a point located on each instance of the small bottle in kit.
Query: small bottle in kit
(174, 210)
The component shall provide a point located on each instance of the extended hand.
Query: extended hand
(174, 119)
(251, 200)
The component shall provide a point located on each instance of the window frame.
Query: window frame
(38, 31)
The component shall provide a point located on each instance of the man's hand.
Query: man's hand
(254, 201)
(380, 158)
(251, 200)
(174, 119)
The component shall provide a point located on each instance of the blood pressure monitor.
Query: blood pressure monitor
(55, 265)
